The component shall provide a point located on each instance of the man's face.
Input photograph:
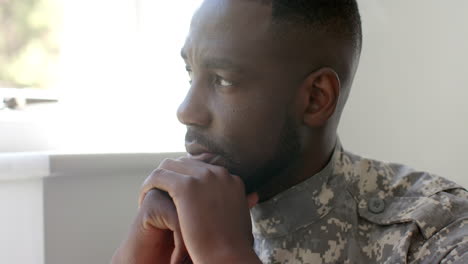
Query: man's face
(239, 111)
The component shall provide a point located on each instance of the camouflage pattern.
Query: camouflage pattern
(358, 210)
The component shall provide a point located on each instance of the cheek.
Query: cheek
(252, 128)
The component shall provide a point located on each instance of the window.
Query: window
(29, 46)
(119, 75)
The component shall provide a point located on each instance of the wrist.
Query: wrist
(143, 245)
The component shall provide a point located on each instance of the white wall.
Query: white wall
(409, 102)
(90, 202)
(68, 209)
(21, 221)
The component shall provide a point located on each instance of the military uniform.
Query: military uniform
(358, 210)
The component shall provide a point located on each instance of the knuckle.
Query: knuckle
(166, 163)
(155, 172)
(151, 178)
(145, 198)
(150, 181)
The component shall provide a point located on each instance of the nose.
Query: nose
(194, 110)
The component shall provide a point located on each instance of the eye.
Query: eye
(220, 81)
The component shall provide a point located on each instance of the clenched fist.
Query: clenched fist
(191, 210)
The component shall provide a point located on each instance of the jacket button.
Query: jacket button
(376, 205)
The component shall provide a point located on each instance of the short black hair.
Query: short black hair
(337, 16)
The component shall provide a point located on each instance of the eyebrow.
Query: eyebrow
(216, 63)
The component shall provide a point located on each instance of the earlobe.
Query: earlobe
(322, 90)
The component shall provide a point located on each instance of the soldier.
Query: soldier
(269, 81)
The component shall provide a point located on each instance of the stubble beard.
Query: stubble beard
(287, 151)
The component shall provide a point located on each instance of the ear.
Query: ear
(320, 92)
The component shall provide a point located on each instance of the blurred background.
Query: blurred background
(87, 83)
(108, 62)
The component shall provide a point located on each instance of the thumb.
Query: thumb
(159, 211)
(162, 214)
(180, 253)
(252, 200)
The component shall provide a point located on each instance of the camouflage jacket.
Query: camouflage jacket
(358, 210)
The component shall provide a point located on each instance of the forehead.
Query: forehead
(229, 14)
(230, 26)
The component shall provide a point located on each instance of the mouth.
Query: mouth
(198, 152)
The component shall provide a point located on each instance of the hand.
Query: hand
(212, 210)
(155, 234)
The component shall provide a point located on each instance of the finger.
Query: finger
(180, 253)
(159, 211)
(165, 217)
(190, 166)
(161, 179)
(252, 200)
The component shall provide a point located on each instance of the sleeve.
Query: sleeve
(458, 255)
(450, 244)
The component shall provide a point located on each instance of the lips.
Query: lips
(199, 152)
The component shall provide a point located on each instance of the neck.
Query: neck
(311, 161)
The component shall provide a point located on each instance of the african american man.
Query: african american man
(269, 82)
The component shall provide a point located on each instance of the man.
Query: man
(269, 81)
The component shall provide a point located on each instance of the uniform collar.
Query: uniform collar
(300, 205)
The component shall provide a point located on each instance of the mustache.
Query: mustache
(199, 138)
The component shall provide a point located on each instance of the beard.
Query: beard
(286, 152)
